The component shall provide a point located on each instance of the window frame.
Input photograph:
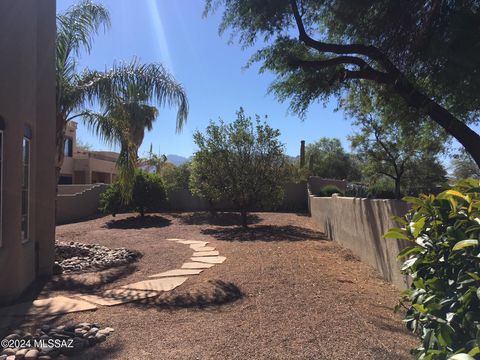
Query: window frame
(29, 141)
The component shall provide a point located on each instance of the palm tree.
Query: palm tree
(75, 30)
(125, 93)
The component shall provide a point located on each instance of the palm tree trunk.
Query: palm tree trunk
(61, 128)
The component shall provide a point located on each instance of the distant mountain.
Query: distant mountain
(177, 159)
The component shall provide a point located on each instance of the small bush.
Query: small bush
(111, 200)
(443, 302)
(381, 191)
(148, 196)
(329, 190)
(357, 190)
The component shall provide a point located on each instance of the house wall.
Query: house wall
(359, 224)
(27, 97)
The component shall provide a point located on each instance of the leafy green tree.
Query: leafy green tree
(395, 142)
(176, 177)
(148, 195)
(329, 160)
(423, 52)
(125, 93)
(425, 176)
(153, 161)
(464, 167)
(75, 30)
(242, 162)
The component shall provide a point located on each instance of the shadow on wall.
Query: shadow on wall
(219, 219)
(359, 225)
(265, 233)
(137, 222)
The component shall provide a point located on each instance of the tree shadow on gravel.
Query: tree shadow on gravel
(216, 293)
(89, 282)
(219, 219)
(137, 222)
(265, 233)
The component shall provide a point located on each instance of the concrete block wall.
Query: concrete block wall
(78, 206)
(359, 224)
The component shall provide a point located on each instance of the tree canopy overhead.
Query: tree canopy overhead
(426, 52)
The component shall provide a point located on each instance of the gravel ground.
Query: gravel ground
(282, 293)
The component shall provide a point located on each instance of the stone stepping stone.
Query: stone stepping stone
(206, 253)
(44, 307)
(163, 284)
(177, 272)
(202, 248)
(118, 296)
(196, 265)
(210, 259)
(193, 242)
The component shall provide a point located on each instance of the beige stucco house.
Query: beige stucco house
(86, 167)
(27, 143)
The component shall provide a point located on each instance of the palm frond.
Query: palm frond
(152, 80)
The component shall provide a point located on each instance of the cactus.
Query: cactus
(302, 153)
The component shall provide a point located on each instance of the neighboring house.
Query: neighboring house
(85, 166)
(27, 143)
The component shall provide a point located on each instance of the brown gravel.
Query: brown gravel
(282, 293)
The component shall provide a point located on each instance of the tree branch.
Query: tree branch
(370, 51)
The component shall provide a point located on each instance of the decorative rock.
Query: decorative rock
(100, 337)
(9, 351)
(83, 336)
(20, 354)
(76, 257)
(31, 354)
(13, 336)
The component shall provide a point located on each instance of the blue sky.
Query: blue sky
(174, 33)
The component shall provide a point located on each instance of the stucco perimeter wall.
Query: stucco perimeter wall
(73, 189)
(359, 224)
(78, 206)
(295, 198)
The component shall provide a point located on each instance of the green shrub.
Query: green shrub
(329, 190)
(111, 200)
(381, 191)
(148, 195)
(443, 302)
(357, 190)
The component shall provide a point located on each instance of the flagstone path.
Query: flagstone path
(204, 257)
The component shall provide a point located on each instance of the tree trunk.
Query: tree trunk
(61, 127)
(244, 214)
(398, 193)
(453, 126)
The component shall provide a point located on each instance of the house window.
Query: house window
(25, 187)
(68, 149)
